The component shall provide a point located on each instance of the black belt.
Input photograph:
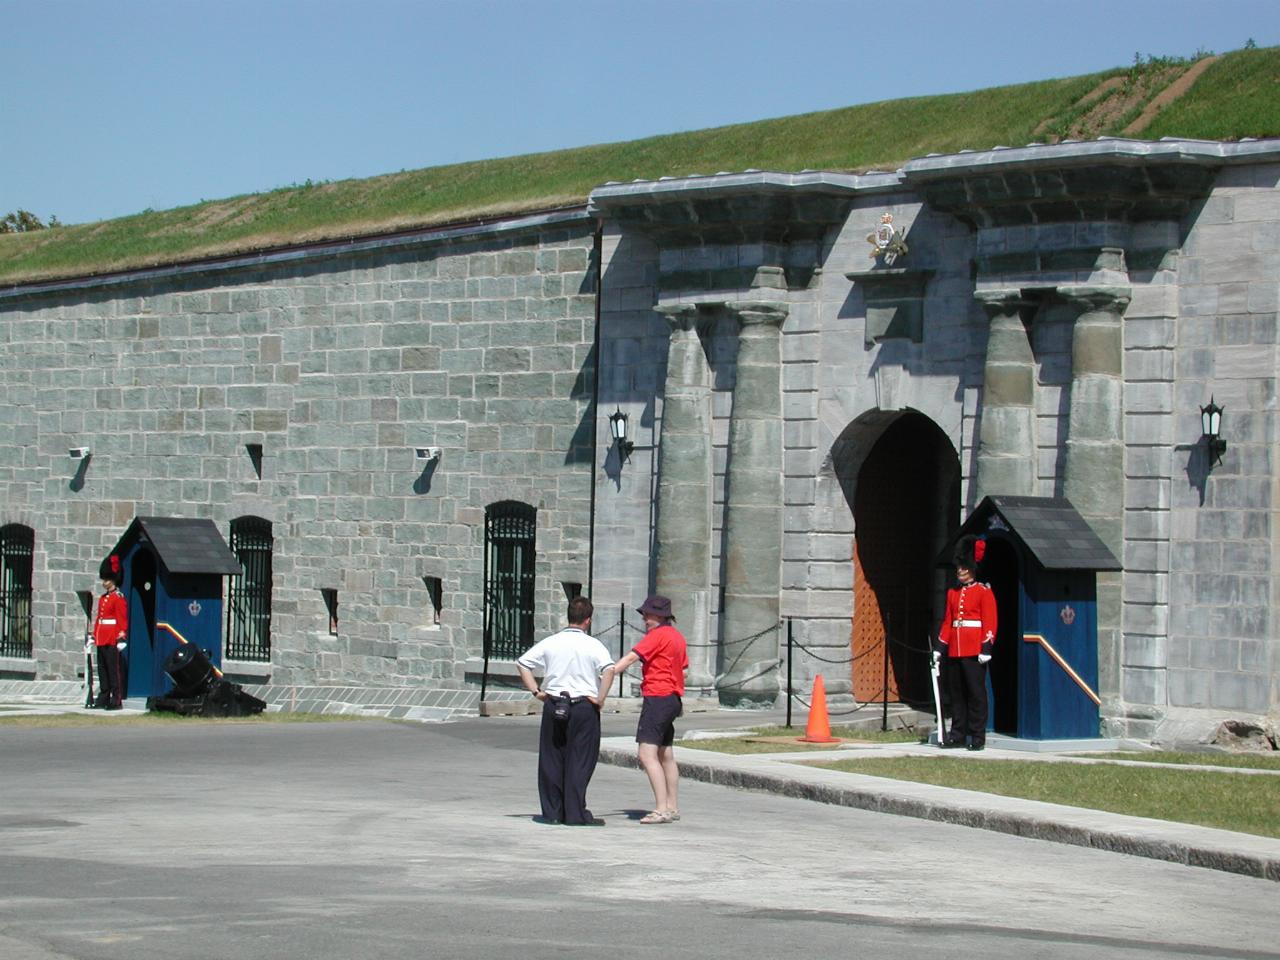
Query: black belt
(565, 696)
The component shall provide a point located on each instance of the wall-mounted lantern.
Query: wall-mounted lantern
(618, 430)
(1211, 427)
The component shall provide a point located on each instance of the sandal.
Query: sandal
(655, 816)
(673, 815)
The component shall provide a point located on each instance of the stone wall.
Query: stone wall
(1108, 289)
(1223, 651)
(339, 364)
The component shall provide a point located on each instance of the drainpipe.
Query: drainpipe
(595, 409)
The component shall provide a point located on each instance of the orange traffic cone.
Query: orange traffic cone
(818, 729)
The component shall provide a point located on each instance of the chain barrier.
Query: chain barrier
(734, 643)
(817, 656)
(745, 680)
(842, 713)
(910, 646)
(882, 644)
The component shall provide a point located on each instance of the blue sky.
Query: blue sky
(108, 107)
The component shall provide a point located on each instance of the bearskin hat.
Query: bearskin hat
(969, 553)
(110, 569)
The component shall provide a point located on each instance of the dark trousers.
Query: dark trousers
(967, 684)
(109, 687)
(567, 755)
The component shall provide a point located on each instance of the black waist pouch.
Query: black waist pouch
(560, 709)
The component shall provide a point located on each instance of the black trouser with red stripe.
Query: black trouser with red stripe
(567, 755)
(967, 684)
(109, 686)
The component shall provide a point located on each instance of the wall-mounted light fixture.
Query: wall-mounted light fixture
(80, 456)
(426, 453)
(1211, 427)
(618, 430)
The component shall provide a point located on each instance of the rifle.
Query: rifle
(89, 651)
(935, 662)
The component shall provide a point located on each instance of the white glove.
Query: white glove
(124, 646)
(984, 657)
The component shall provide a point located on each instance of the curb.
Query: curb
(1116, 833)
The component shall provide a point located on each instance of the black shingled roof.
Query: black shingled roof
(183, 545)
(1048, 527)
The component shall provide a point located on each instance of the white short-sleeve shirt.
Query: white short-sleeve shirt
(571, 662)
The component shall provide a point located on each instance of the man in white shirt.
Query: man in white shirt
(576, 674)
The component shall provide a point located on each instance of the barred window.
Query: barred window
(17, 548)
(510, 529)
(249, 592)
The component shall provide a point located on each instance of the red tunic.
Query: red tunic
(112, 623)
(970, 620)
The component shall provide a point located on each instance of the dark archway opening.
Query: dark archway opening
(1000, 572)
(906, 505)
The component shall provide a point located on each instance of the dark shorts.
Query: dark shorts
(658, 720)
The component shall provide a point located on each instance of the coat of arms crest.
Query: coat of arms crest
(886, 240)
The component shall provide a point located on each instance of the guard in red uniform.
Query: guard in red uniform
(110, 628)
(966, 639)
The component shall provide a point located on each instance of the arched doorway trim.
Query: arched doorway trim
(901, 477)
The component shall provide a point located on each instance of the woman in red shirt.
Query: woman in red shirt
(665, 657)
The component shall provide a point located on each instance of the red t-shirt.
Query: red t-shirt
(665, 658)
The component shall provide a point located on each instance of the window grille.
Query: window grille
(510, 530)
(17, 548)
(249, 593)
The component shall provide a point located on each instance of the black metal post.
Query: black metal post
(884, 687)
(790, 651)
(622, 635)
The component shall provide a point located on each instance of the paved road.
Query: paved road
(376, 840)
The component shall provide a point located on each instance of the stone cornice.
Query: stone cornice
(1101, 180)
(1104, 150)
(751, 207)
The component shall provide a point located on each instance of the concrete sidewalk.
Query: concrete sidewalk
(779, 773)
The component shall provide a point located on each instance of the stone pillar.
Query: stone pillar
(1093, 476)
(1007, 429)
(682, 545)
(753, 511)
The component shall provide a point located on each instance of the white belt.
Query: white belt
(954, 623)
(107, 623)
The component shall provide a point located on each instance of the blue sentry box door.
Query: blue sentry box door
(1062, 608)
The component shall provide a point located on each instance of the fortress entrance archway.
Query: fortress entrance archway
(902, 479)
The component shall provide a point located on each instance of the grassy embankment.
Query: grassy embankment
(1234, 97)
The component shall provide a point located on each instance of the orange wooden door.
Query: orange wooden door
(869, 644)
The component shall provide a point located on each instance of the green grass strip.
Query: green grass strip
(1245, 761)
(749, 744)
(1227, 801)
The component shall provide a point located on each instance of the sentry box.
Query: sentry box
(172, 570)
(1042, 561)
